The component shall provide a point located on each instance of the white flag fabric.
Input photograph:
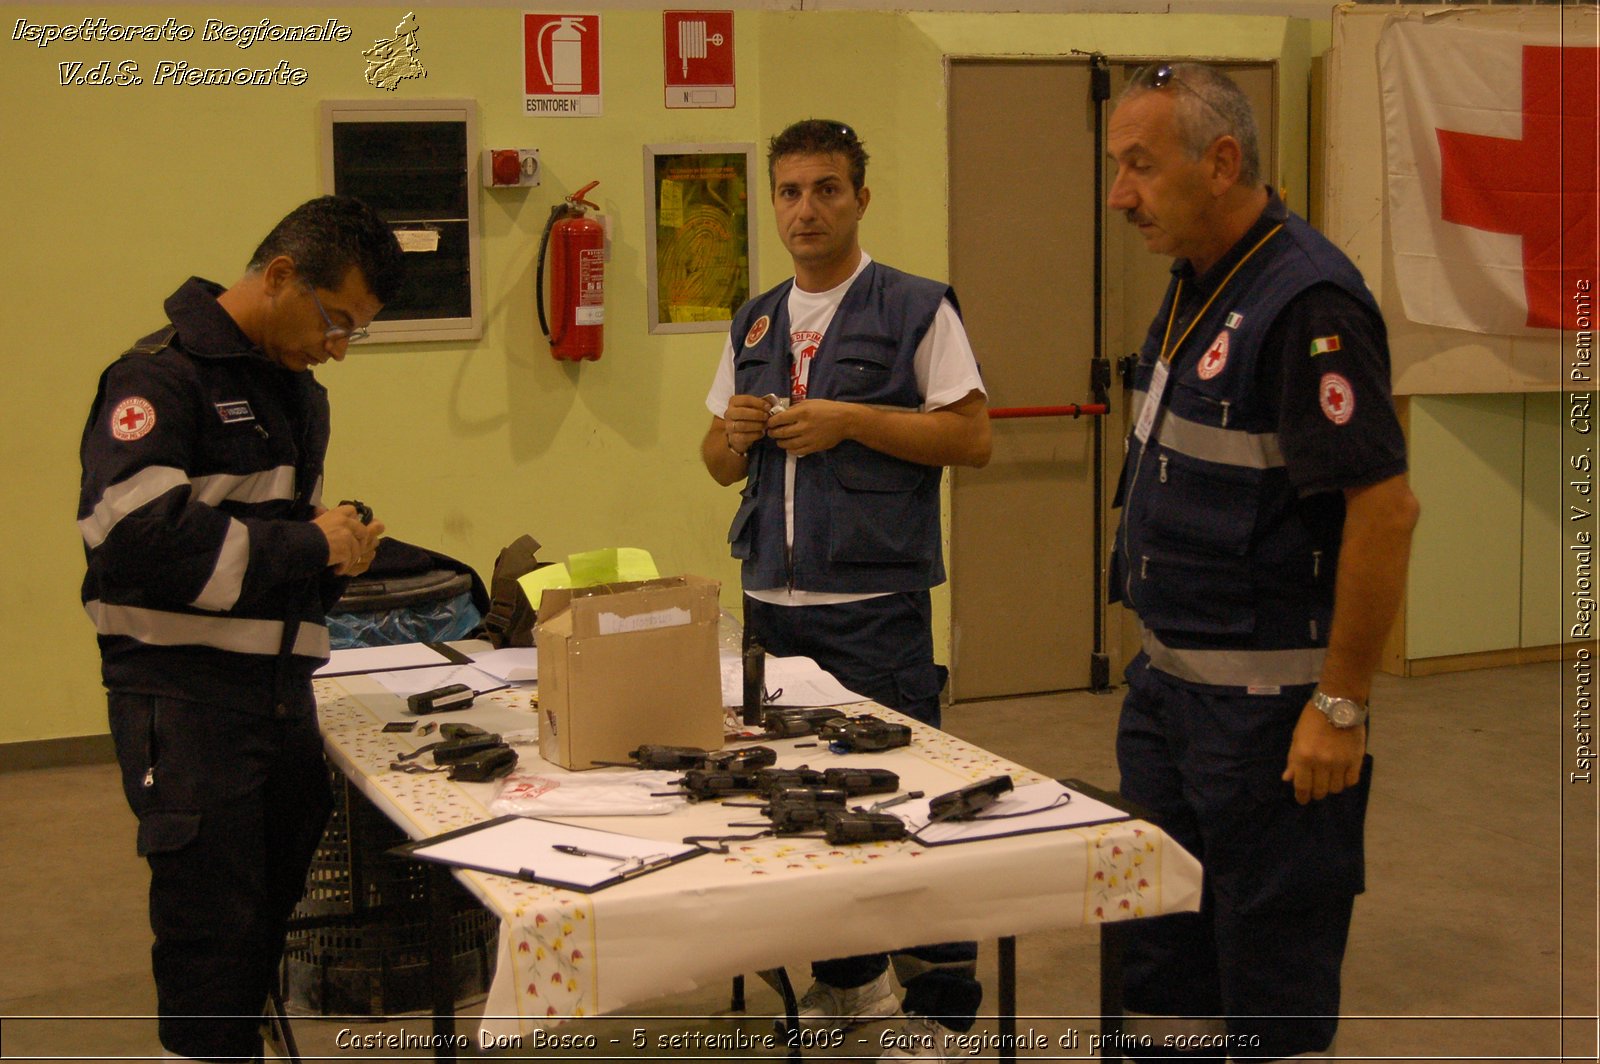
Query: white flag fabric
(1490, 170)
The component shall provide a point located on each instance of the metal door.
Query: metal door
(1023, 555)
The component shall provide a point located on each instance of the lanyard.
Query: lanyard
(1168, 353)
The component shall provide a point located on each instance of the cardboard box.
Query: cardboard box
(625, 664)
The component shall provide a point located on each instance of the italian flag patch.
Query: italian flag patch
(1324, 344)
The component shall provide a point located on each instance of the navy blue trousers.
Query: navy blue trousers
(1265, 950)
(881, 648)
(231, 808)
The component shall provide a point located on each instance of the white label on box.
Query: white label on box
(612, 623)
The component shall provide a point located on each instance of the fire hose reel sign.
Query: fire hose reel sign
(697, 49)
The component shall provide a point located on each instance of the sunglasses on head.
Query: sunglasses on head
(840, 128)
(1161, 75)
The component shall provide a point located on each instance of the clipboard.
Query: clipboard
(1011, 815)
(526, 848)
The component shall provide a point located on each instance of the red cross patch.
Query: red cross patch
(1215, 358)
(1337, 397)
(133, 418)
(757, 331)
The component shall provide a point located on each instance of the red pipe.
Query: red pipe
(1071, 410)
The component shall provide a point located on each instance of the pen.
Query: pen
(579, 851)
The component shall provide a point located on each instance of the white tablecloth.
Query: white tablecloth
(564, 954)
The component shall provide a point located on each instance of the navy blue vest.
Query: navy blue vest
(1215, 547)
(865, 521)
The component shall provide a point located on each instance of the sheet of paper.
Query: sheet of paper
(511, 664)
(380, 659)
(793, 681)
(407, 682)
(609, 566)
(802, 682)
(1039, 806)
(525, 846)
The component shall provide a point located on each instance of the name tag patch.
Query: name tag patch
(238, 410)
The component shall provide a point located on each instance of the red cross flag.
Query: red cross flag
(1490, 140)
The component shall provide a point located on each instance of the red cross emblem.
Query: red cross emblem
(1215, 358)
(757, 331)
(1542, 187)
(1337, 397)
(132, 419)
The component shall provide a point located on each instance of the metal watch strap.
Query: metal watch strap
(1325, 702)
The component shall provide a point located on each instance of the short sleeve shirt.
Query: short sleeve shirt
(1337, 425)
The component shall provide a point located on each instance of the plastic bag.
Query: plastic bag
(626, 793)
(427, 622)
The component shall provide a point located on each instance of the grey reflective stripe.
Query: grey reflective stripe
(238, 634)
(126, 496)
(316, 493)
(1236, 668)
(227, 576)
(1254, 450)
(1158, 1028)
(1136, 404)
(266, 486)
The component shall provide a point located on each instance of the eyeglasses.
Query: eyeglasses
(335, 333)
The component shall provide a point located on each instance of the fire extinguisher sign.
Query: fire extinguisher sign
(561, 65)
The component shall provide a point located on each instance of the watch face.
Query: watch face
(1343, 713)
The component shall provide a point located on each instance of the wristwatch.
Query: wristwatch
(1341, 712)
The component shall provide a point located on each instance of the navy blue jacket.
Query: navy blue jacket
(202, 465)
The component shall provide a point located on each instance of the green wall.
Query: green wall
(119, 193)
(1486, 564)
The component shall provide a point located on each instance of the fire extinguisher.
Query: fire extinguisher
(577, 280)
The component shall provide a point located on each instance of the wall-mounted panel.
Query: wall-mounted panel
(415, 163)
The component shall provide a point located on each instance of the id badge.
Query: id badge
(1152, 402)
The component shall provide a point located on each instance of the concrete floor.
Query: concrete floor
(1475, 939)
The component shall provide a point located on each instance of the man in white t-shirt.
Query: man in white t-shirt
(839, 399)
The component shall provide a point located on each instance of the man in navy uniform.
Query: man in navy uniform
(877, 391)
(211, 566)
(1266, 525)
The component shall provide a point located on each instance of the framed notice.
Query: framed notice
(701, 248)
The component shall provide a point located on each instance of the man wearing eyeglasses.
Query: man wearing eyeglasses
(211, 566)
(1266, 525)
(839, 399)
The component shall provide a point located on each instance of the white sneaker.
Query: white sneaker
(916, 1038)
(828, 1008)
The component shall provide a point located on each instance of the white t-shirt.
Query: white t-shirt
(946, 372)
